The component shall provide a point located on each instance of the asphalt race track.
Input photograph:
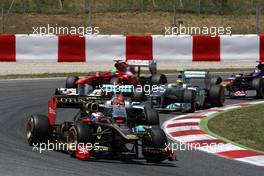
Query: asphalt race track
(19, 98)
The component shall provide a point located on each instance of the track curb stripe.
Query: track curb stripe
(184, 129)
(182, 124)
(202, 143)
(238, 154)
(191, 117)
(186, 132)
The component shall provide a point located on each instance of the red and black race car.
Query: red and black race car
(94, 135)
(250, 85)
(126, 73)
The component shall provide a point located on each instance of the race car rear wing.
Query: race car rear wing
(151, 64)
(74, 101)
(69, 101)
(69, 98)
(195, 74)
(99, 92)
(141, 63)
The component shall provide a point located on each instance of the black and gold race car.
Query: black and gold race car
(95, 134)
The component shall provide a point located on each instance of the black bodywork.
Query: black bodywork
(108, 137)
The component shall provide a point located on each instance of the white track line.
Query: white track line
(220, 148)
(184, 121)
(193, 137)
(257, 160)
(182, 128)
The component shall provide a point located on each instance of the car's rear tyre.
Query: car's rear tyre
(258, 85)
(158, 79)
(71, 82)
(154, 138)
(175, 94)
(189, 96)
(78, 133)
(37, 129)
(216, 96)
(138, 96)
(84, 89)
(216, 80)
(152, 116)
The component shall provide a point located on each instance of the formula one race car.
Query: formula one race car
(194, 89)
(94, 134)
(110, 96)
(136, 113)
(251, 85)
(122, 73)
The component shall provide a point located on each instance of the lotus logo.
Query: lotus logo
(73, 99)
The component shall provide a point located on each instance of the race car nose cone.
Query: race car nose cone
(82, 152)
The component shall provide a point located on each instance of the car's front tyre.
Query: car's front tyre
(154, 138)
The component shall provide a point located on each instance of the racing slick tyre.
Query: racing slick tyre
(147, 105)
(157, 79)
(151, 116)
(216, 96)
(78, 133)
(37, 129)
(138, 96)
(189, 96)
(216, 80)
(258, 85)
(154, 138)
(71, 82)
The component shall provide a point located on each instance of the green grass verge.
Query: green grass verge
(51, 75)
(243, 127)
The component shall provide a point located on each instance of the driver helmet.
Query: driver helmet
(114, 70)
(121, 66)
(260, 67)
(121, 99)
(179, 81)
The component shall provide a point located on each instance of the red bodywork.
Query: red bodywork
(99, 78)
(52, 110)
(82, 152)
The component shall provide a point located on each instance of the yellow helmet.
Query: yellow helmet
(179, 81)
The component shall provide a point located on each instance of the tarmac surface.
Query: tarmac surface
(21, 98)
